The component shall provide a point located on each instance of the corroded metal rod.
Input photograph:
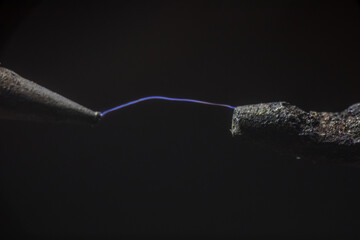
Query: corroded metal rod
(22, 99)
(320, 136)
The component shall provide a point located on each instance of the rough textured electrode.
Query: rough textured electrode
(328, 136)
(22, 99)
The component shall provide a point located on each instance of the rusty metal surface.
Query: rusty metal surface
(21, 99)
(320, 136)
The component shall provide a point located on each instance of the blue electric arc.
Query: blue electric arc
(164, 98)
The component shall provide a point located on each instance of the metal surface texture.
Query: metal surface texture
(320, 136)
(21, 99)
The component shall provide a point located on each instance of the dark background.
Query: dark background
(166, 168)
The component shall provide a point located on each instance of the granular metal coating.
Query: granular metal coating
(321, 136)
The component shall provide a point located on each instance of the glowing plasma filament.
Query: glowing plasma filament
(164, 98)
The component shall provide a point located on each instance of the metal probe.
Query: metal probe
(332, 137)
(21, 99)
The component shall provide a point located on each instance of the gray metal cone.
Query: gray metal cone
(22, 99)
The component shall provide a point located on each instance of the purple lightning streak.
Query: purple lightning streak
(164, 98)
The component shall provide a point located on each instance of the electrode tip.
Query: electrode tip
(22, 99)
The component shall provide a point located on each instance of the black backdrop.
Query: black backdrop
(173, 169)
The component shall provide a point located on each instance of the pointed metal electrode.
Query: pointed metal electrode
(21, 99)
